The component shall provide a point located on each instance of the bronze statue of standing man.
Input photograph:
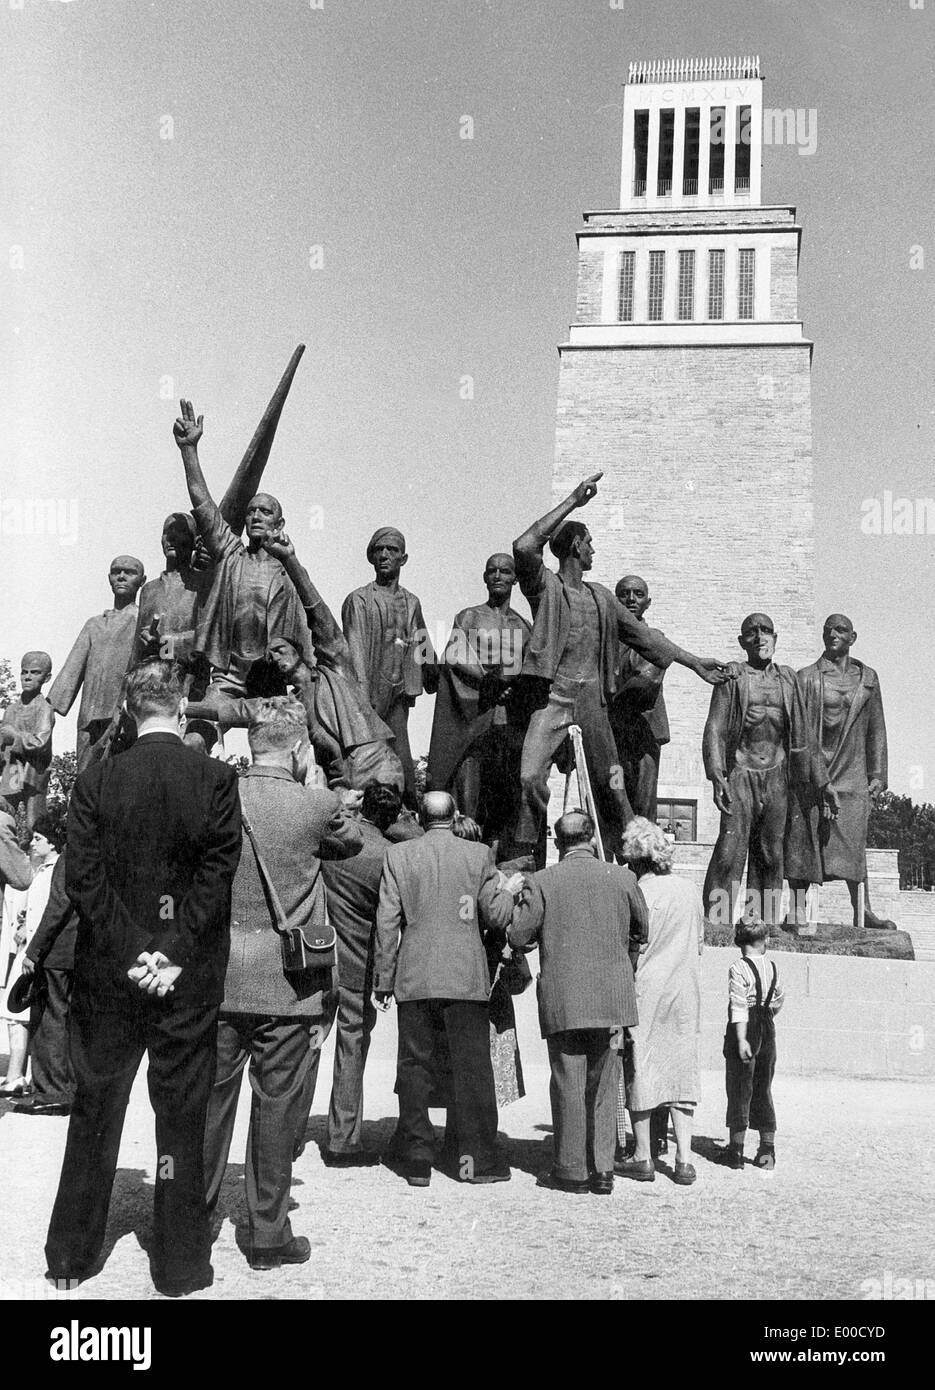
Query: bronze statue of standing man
(390, 648)
(845, 712)
(480, 715)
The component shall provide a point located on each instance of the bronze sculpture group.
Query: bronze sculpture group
(793, 757)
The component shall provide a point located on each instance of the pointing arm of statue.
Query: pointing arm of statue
(528, 547)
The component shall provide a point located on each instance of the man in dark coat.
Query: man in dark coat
(438, 895)
(480, 717)
(844, 708)
(153, 844)
(269, 1016)
(353, 891)
(589, 919)
(52, 953)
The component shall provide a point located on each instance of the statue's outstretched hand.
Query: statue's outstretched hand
(711, 670)
(187, 429)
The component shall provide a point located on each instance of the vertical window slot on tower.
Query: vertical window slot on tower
(640, 152)
(742, 150)
(625, 297)
(715, 284)
(657, 280)
(692, 150)
(717, 133)
(666, 152)
(686, 284)
(745, 269)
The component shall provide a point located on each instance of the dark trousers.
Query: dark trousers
(487, 785)
(750, 1084)
(109, 1036)
(572, 702)
(279, 1056)
(467, 1027)
(583, 1092)
(355, 1020)
(757, 822)
(397, 716)
(53, 1080)
(639, 756)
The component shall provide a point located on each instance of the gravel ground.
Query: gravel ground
(848, 1201)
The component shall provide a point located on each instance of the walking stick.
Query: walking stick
(585, 793)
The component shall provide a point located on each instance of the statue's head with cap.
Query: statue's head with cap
(386, 551)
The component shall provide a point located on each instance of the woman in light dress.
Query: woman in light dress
(22, 913)
(663, 1063)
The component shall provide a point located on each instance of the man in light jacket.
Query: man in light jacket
(267, 1015)
(438, 896)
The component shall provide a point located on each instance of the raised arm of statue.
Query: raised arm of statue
(188, 431)
(328, 642)
(528, 548)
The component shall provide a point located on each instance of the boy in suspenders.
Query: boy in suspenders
(756, 996)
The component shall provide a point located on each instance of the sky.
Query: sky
(192, 187)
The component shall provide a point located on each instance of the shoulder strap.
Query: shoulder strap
(269, 887)
(757, 982)
(772, 986)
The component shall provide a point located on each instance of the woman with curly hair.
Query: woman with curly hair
(662, 1067)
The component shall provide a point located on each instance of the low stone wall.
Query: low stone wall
(867, 1018)
(852, 1017)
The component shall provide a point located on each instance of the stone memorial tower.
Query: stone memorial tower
(686, 378)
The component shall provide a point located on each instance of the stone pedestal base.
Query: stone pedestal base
(828, 939)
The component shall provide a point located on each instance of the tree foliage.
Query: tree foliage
(896, 822)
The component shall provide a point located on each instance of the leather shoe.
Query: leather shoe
(684, 1174)
(416, 1174)
(765, 1157)
(734, 1157)
(178, 1288)
(640, 1169)
(295, 1252)
(42, 1108)
(359, 1159)
(555, 1183)
(601, 1184)
(499, 1173)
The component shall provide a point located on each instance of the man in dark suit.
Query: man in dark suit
(153, 844)
(269, 1014)
(589, 919)
(353, 890)
(52, 953)
(438, 895)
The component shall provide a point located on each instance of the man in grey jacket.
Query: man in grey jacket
(267, 1015)
(589, 919)
(438, 896)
